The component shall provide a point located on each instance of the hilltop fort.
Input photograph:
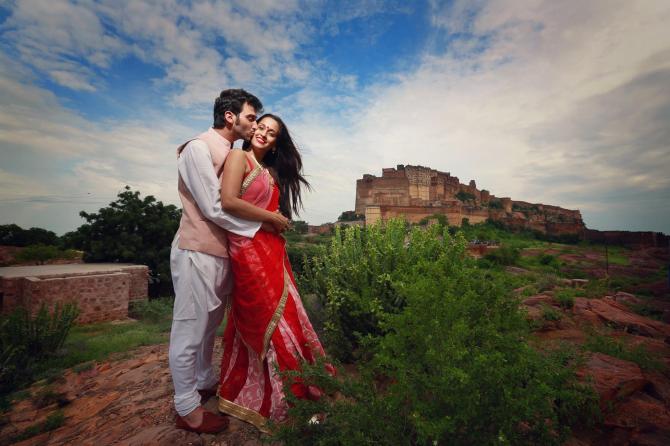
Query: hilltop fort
(417, 192)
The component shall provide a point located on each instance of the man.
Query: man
(199, 258)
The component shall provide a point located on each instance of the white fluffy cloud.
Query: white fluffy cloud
(564, 103)
(567, 104)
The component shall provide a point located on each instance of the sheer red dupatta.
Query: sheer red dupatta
(259, 270)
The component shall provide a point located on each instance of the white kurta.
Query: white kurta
(202, 282)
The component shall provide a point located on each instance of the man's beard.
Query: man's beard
(248, 136)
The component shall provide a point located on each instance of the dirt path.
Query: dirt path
(124, 402)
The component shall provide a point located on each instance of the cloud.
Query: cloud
(44, 36)
(565, 104)
(56, 163)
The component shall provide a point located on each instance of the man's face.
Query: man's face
(245, 122)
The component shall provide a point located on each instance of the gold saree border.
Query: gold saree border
(249, 179)
(244, 414)
(277, 314)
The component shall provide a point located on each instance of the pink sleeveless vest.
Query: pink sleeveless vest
(197, 233)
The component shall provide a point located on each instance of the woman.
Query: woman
(267, 326)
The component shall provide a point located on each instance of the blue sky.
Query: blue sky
(564, 103)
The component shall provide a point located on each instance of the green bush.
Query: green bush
(616, 348)
(565, 297)
(450, 364)
(52, 422)
(505, 255)
(549, 313)
(26, 339)
(156, 311)
(357, 279)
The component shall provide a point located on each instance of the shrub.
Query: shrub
(547, 282)
(550, 314)
(550, 261)
(153, 310)
(52, 422)
(565, 297)
(451, 364)
(616, 348)
(26, 339)
(505, 255)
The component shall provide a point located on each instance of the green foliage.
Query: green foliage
(130, 229)
(550, 314)
(440, 218)
(42, 253)
(52, 422)
(618, 349)
(25, 340)
(14, 235)
(299, 254)
(495, 204)
(465, 196)
(565, 297)
(350, 216)
(548, 260)
(505, 255)
(299, 227)
(155, 311)
(449, 361)
(356, 280)
(449, 364)
(546, 282)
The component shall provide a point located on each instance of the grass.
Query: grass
(97, 342)
(550, 313)
(565, 297)
(53, 422)
(617, 256)
(618, 349)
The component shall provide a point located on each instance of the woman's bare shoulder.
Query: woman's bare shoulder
(238, 158)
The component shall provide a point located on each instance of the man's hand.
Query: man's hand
(268, 227)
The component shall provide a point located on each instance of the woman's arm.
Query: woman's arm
(231, 183)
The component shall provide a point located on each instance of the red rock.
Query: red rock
(613, 378)
(538, 299)
(640, 413)
(573, 335)
(659, 386)
(163, 436)
(619, 316)
(626, 298)
(89, 406)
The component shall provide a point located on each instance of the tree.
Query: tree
(350, 216)
(130, 229)
(39, 254)
(14, 235)
(299, 227)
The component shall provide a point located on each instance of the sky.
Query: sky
(564, 103)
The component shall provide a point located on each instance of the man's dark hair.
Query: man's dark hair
(232, 100)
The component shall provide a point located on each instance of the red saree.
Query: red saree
(267, 326)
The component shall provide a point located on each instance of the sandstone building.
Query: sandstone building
(416, 192)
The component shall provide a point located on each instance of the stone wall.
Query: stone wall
(100, 296)
(629, 238)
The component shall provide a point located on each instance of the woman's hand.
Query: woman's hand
(278, 221)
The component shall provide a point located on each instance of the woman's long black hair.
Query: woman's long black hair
(285, 166)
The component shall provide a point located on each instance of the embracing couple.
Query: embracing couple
(228, 261)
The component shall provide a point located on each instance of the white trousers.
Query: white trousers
(202, 286)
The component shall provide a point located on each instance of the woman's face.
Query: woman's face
(266, 133)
